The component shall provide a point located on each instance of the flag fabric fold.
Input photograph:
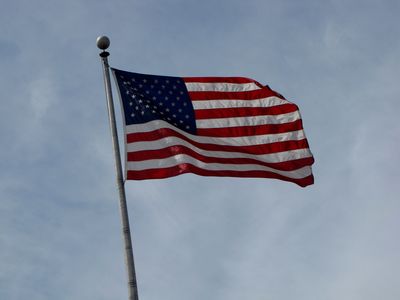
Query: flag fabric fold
(210, 126)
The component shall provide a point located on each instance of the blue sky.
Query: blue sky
(194, 237)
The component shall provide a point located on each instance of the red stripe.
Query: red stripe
(245, 95)
(220, 80)
(233, 112)
(180, 149)
(188, 168)
(250, 130)
(217, 132)
(251, 149)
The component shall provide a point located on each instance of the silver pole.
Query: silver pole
(102, 43)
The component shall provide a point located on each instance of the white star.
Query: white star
(167, 81)
(166, 98)
(132, 114)
(144, 80)
(130, 103)
(167, 109)
(187, 116)
(173, 104)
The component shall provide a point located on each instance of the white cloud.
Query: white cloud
(41, 96)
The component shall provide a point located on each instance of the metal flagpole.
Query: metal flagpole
(102, 43)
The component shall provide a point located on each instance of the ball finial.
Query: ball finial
(103, 42)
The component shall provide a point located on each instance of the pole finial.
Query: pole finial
(103, 42)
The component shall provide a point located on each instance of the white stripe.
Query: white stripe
(220, 87)
(174, 141)
(248, 121)
(182, 158)
(263, 102)
(234, 141)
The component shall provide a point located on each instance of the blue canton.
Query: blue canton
(147, 97)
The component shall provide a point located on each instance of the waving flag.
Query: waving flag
(210, 126)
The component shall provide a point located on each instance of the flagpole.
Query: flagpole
(102, 43)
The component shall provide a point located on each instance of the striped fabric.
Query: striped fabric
(210, 126)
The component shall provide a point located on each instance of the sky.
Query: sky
(200, 237)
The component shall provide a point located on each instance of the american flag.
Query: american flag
(210, 126)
